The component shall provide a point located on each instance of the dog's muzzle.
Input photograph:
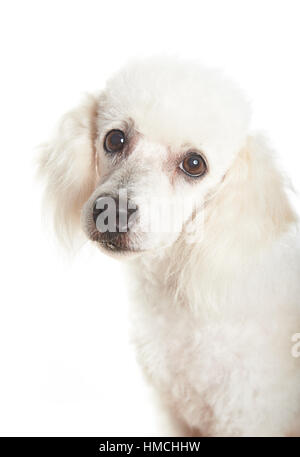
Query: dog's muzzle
(118, 217)
(113, 218)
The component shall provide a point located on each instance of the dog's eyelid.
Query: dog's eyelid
(190, 151)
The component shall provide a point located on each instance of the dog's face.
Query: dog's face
(161, 136)
(145, 190)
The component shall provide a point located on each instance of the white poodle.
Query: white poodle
(160, 170)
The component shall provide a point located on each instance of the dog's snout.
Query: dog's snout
(117, 210)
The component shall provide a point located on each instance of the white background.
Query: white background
(66, 367)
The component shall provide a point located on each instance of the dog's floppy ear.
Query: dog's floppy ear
(67, 164)
(251, 207)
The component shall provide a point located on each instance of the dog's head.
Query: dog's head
(162, 135)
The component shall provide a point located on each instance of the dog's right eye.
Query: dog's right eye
(114, 141)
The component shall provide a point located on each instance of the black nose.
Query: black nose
(117, 217)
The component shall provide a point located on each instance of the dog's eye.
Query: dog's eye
(193, 165)
(114, 141)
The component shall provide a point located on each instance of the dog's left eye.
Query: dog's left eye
(193, 165)
(114, 141)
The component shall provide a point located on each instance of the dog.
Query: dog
(215, 300)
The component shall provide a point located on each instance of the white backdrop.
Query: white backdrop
(66, 366)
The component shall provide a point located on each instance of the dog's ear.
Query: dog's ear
(251, 207)
(67, 164)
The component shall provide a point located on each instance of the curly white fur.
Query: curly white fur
(214, 318)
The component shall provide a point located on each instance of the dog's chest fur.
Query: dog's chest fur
(193, 364)
(210, 368)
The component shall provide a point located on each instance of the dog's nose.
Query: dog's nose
(99, 206)
(119, 212)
